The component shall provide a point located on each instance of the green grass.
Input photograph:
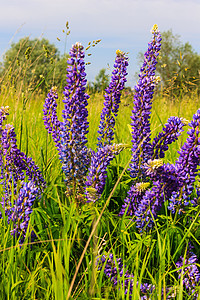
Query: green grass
(45, 268)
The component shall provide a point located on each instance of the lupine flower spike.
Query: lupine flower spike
(187, 167)
(51, 122)
(171, 131)
(118, 274)
(21, 210)
(18, 195)
(97, 173)
(74, 153)
(191, 274)
(70, 135)
(112, 100)
(142, 106)
(96, 177)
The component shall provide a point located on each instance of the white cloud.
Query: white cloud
(102, 16)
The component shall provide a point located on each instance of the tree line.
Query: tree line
(38, 63)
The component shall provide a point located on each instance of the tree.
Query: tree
(100, 83)
(32, 63)
(179, 64)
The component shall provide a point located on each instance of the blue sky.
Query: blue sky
(120, 24)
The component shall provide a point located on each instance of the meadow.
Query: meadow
(71, 238)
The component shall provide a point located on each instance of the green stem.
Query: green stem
(94, 256)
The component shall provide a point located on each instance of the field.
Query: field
(84, 250)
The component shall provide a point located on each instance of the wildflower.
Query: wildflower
(113, 267)
(73, 151)
(135, 195)
(152, 165)
(21, 209)
(191, 275)
(187, 166)
(51, 122)
(165, 181)
(15, 163)
(15, 167)
(171, 182)
(97, 171)
(150, 203)
(118, 274)
(142, 149)
(171, 131)
(70, 135)
(189, 158)
(112, 100)
(115, 270)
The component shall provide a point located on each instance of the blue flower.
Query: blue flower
(187, 166)
(15, 167)
(97, 171)
(144, 90)
(51, 122)
(112, 100)
(171, 131)
(73, 150)
(191, 275)
(21, 209)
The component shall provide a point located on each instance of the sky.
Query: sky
(120, 24)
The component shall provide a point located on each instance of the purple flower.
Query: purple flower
(97, 171)
(149, 205)
(51, 122)
(165, 181)
(145, 198)
(189, 158)
(142, 148)
(15, 167)
(132, 201)
(118, 274)
(11, 173)
(21, 209)
(174, 183)
(117, 271)
(187, 166)
(15, 163)
(171, 131)
(112, 100)
(3, 115)
(191, 275)
(73, 151)
(70, 135)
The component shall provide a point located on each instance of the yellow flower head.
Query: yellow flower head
(54, 89)
(92, 191)
(119, 52)
(153, 165)
(157, 79)
(5, 109)
(154, 28)
(142, 186)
